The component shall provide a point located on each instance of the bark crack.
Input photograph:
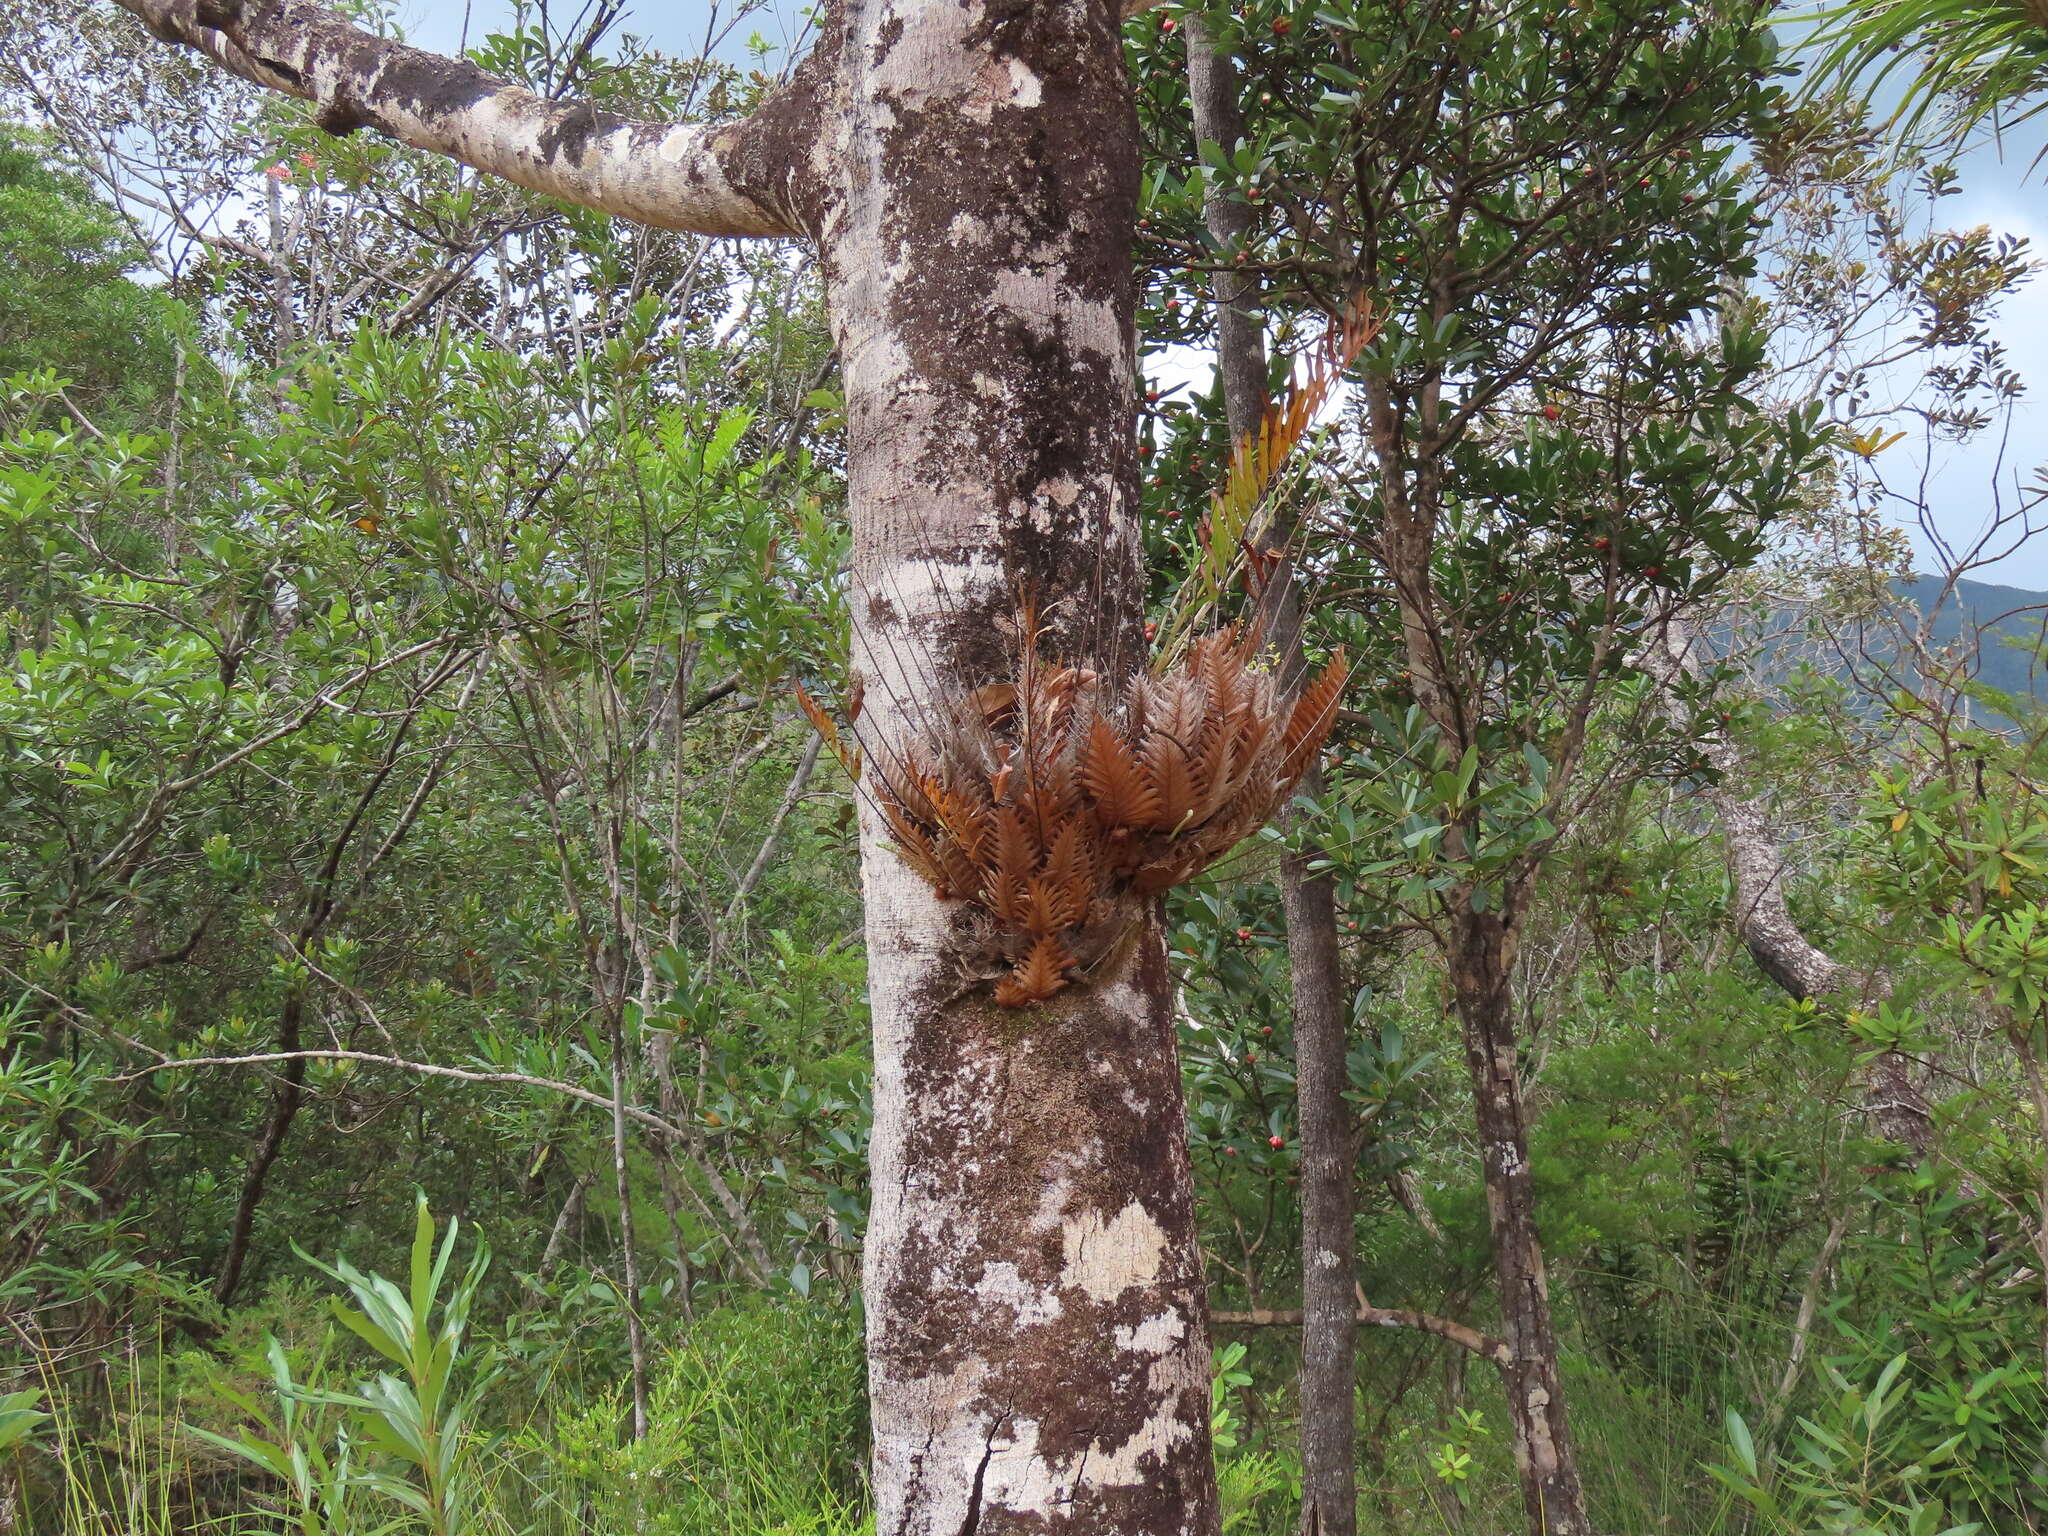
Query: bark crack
(972, 1520)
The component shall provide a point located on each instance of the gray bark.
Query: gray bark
(1481, 963)
(1241, 333)
(567, 1222)
(1329, 1333)
(1038, 1339)
(710, 180)
(1329, 1339)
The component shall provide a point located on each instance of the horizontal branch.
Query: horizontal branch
(671, 176)
(422, 1068)
(1471, 1339)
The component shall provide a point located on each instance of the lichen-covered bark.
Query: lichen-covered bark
(1037, 1344)
(1038, 1347)
(711, 180)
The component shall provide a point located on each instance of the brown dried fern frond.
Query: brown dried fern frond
(1053, 802)
(1234, 529)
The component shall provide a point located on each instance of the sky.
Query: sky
(2005, 194)
(2002, 190)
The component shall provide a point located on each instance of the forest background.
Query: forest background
(417, 862)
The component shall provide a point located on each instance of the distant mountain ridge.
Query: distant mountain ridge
(2012, 650)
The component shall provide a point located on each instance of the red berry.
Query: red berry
(1244, 933)
(1144, 450)
(1456, 33)
(1643, 182)
(1282, 26)
(1173, 305)
(1265, 98)
(1251, 1058)
(1267, 1030)
(1602, 545)
(1230, 1151)
(1276, 1142)
(1551, 413)
(1168, 24)
(1686, 198)
(1653, 571)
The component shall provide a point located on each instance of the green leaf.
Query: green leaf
(1740, 1441)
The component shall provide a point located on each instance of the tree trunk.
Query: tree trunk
(1329, 1156)
(1479, 955)
(1329, 1337)
(567, 1224)
(1240, 333)
(1481, 963)
(285, 1099)
(1038, 1345)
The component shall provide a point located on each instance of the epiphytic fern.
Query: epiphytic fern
(1054, 802)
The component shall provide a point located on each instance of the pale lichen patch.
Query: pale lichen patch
(1004, 1285)
(1125, 1465)
(1026, 90)
(1019, 1477)
(1107, 1258)
(1062, 491)
(1052, 1203)
(1154, 1336)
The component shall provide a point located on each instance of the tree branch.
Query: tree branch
(1756, 869)
(422, 1068)
(707, 180)
(1380, 1317)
